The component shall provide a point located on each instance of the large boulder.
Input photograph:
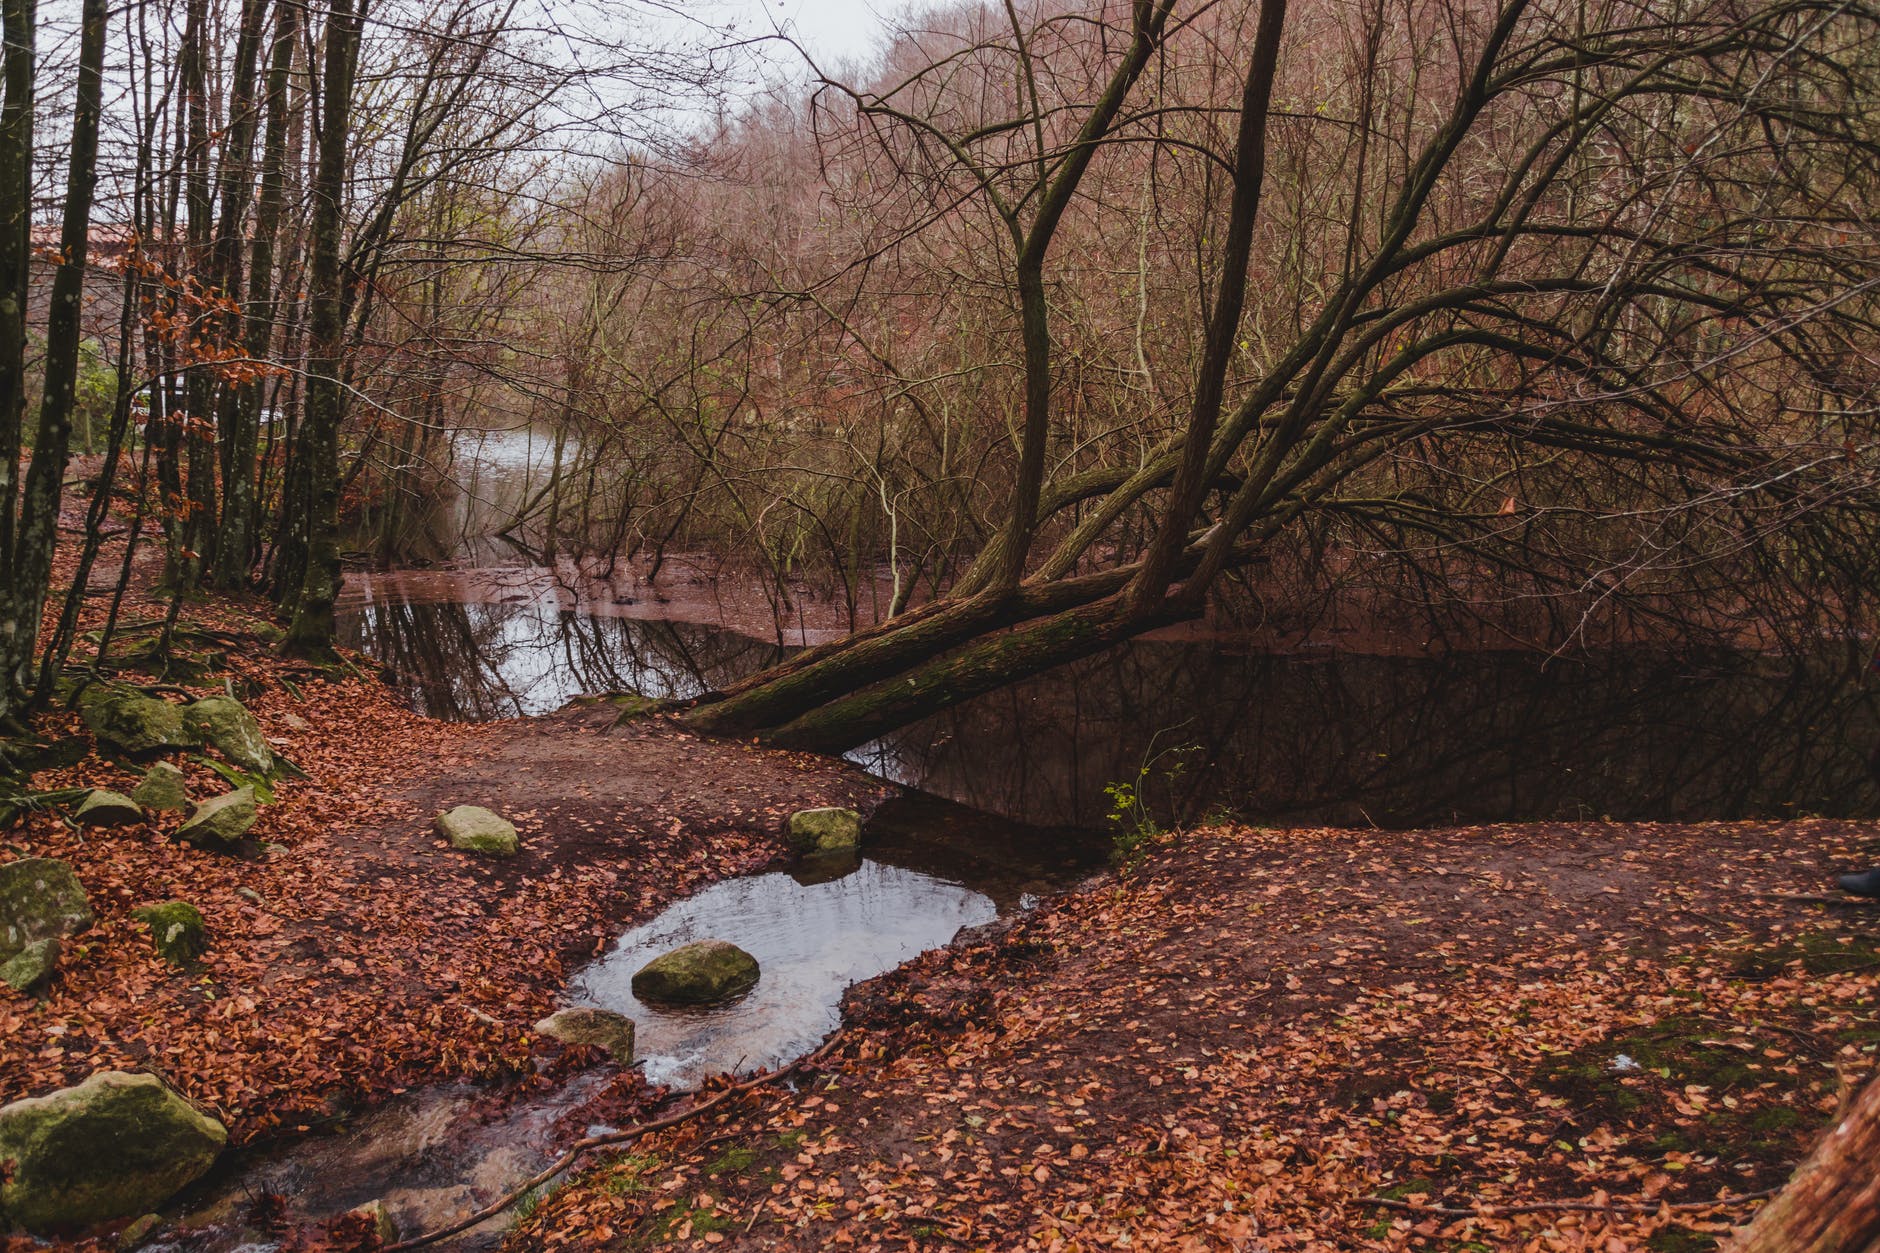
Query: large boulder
(697, 974)
(135, 723)
(476, 830)
(31, 966)
(221, 819)
(177, 930)
(115, 1146)
(602, 1028)
(164, 788)
(825, 830)
(225, 724)
(40, 899)
(107, 809)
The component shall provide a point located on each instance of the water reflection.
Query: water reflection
(1334, 738)
(812, 939)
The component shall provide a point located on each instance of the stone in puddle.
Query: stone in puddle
(476, 830)
(107, 809)
(697, 974)
(115, 1146)
(601, 1028)
(825, 830)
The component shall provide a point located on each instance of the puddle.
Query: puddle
(812, 940)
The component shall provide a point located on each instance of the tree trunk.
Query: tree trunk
(1832, 1205)
(311, 632)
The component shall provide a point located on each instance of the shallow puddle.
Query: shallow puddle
(811, 940)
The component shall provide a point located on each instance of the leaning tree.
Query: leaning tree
(1575, 299)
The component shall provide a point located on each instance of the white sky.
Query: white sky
(835, 31)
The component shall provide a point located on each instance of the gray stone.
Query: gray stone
(221, 819)
(31, 966)
(107, 809)
(115, 1146)
(40, 899)
(376, 1213)
(177, 930)
(697, 974)
(250, 895)
(225, 724)
(164, 788)
(825, 830)
(133, 722)
(477, 830)
(601, 1028)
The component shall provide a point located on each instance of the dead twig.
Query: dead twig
(1552, 1207)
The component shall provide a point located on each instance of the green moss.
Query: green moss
(1678, 1240)
(1398, 1191)
(176, 929)
(732, 1161)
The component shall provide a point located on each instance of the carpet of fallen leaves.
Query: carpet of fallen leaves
(1246, 1043)
(359, 955)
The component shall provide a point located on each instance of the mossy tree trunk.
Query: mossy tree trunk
(1832, 1205)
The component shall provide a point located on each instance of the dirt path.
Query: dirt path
(1237, 1045)
(363, 955)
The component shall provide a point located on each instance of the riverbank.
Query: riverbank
(352, 954)
(1589, 1036)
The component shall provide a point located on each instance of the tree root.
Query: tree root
(1549, 1207)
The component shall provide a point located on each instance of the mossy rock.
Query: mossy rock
(134, 723)
(177, 929)
(107, 809)
(165, 788)
(221, 819)
(829, 830)
(225, 725)
(600, 1028)
(40, 899)
(116, 1146)
(31, 966)
(476, 830)
(704, 973)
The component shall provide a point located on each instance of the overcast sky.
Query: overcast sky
(835, 31)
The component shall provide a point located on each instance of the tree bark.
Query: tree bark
(1832, 1205)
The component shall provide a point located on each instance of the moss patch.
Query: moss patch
(1814, 952)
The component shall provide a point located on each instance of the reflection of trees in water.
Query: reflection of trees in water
(1402, 741)
(477, 661)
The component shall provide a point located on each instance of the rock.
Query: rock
(601, 1028)
(697, 974)
(225, 724)
(250, 895)
(137, 1232)
(40, 899)
(31, 966)
(477, 830)
(176, 928)
(221, 819)
(380, 1218)
(165, 788)
(817, 868)
(116, 1145)
(825, 830)
(294, 722)
(107, 809)
(134, 722)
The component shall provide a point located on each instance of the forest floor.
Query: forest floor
(1525, 1037)
(352, 952)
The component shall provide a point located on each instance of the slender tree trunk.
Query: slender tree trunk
(52, 441)
(16, 193)
(311, 632)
